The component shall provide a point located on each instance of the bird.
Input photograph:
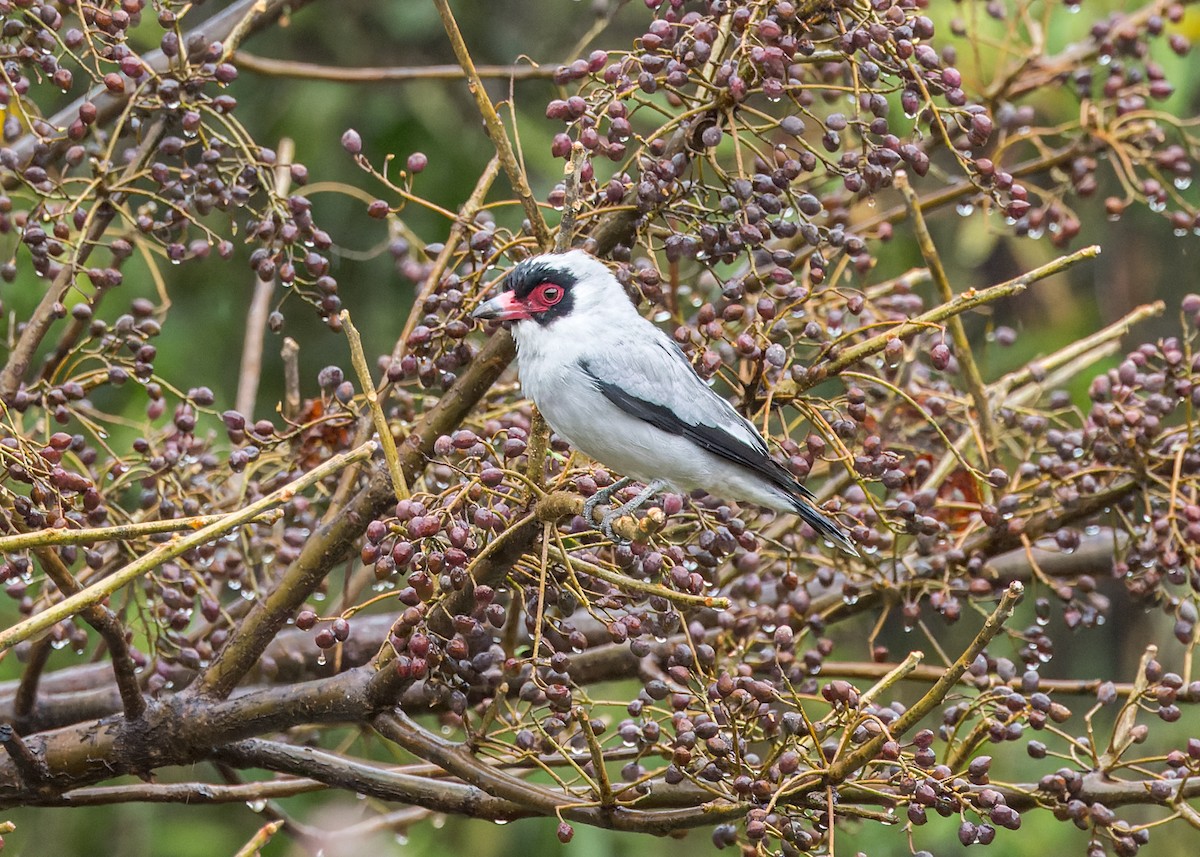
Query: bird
(617, 388)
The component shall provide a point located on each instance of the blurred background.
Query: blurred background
(1142, 260)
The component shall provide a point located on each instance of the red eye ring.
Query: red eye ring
(550, 294)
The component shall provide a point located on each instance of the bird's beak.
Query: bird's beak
(505, 307)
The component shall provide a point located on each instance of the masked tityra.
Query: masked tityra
(617, 388)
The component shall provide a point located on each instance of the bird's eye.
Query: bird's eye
(550, 294)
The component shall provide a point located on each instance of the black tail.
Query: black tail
(825, 527)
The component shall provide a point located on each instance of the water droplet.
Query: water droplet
(1182, 182)
(965, 209)
(256, 805)
(321, 659)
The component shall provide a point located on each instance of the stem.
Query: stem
(968, 300)
(109, 104)
(250, 371)
(97, 592)
(383, 74)
(290, 353)
(958, 333)
(119, 532)
(462, 223)
(99, 218)
(841, 769)
(107, 625)
(1037, 368)
(345, 522)
(495, 128)
(382, 429)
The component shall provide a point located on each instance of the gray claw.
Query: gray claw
(613, 515)
(602, 496)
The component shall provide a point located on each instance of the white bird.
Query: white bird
(617, 388)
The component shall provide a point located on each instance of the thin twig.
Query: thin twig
(382, 429)
(118, 532)
(98, 219)
(968, 300)
(1122, 734)
(105, 622)
(962, 345)
(189, 793)
(290, 354)
(25, 699)
(466, 216)
(102, 589)
(383, 74)
(253, 847)
(495, 128)
(571, 200)
(1037, 368)
(29, 767)
(603, 786)
(250, 370)
(843, 767)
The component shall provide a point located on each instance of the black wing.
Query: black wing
(639, 379)
(726, 434)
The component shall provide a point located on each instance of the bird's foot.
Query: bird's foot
(614, 515)
(602, 496)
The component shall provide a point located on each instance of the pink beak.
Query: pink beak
(505, 307)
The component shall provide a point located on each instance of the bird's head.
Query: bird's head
(553, 286)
